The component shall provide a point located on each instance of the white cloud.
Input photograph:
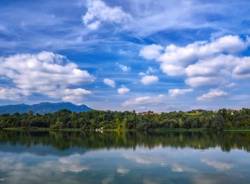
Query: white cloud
(122, 170)
(172, 70)
(123, 90)
(143, 158)
(151, 51)
(200, 69)
(98, 13)
(184, 56)
(70, 163)
(181, 168)
(178, 92)
(222, 69)
(94, 25)
(215, 64)
(218, 165)
(12, 94)
(124, 68)
(212, 71)
(242, 70)
(44, 73)
(149, 79)
(75, 95)
(17, 169)
(212, 94)
(151, 16)
(203, 81)
(176, 59)
(109, 82)
(144, 100)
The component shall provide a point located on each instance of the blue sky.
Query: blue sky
(126, 54)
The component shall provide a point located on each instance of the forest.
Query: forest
(119, 121)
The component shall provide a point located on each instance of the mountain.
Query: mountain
(43, 108)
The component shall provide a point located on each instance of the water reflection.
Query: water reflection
(84, 141)
(50, 157)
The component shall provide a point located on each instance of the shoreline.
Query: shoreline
(115, 130)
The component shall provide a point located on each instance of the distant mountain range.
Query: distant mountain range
(43, 108)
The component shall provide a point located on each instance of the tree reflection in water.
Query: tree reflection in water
(92, 140)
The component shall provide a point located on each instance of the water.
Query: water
(172, 158)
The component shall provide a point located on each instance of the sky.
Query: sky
(126, 54)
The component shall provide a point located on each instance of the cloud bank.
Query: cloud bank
(210, 64)
(44, 73)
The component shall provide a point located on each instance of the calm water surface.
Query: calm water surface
(72, 158)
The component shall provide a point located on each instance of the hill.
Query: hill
(43, 108)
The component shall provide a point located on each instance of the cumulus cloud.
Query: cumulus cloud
(178, 92)
(98, 13)
(172, 70)
(143, 100)
(123, 90)
(210, 64)
(212, 94)
(149, 79)
(44, 73)
(203, 81)
(213, 71)
(183, 56)
(174, 60)
(242, 70)
(109, 82)
(151, 51)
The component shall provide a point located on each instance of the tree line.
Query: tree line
(112, 120)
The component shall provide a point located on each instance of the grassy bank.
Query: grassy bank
(158, 130)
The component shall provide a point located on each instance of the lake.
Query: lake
(124, 158)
